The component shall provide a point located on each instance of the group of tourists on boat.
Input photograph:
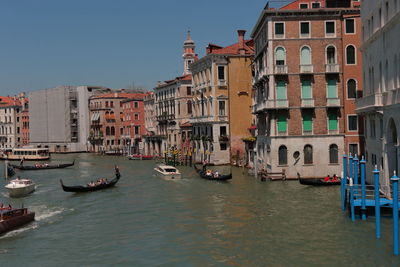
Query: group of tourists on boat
(334, 178)
(98, 182)
(211, 173)
(38, 165)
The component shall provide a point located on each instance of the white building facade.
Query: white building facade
(380, 103)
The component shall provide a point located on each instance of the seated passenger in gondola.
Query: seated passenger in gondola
(216, 174)
(327, 178)
(209, 173)
(335, 178)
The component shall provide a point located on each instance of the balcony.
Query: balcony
(370, 102)
(332, 68)
(223, 138)
(306, 69)
(270, 104)
(333, 102)
(281, 69)
(307, 103)
(165, 117)
(391, 97)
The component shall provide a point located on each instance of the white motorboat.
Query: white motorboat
(167, 172)
(20, 187)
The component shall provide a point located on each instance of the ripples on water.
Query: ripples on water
(148, 221)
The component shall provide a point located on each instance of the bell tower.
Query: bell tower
(188, 54)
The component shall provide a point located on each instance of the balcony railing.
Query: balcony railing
(333, 102)
(306, 68)
(281, 69)
(270, 104)
(332, 68)
(281, 103)
(369, 102)
(307, 102)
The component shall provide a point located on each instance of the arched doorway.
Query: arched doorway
(392, 148)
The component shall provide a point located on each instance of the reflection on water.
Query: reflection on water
(148, 221)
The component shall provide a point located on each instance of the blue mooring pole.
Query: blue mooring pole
(350, 166)
(355, 169)
(363, 194)
(343, 182)
(395, 185)
(377, 204)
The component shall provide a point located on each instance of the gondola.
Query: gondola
(42, 166)
(317, 181)
(80, 188)
(220, 177)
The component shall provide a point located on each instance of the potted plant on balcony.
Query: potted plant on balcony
(223, 138)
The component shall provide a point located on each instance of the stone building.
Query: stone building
(380, 104)
(307, 75)
(59, 117)
(107, 121)
(221, 102)
(10, 118)
(133, 124)
(172, 105)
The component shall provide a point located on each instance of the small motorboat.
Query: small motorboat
(102, 184)
(42, 166)
(167, 172)
(318, 181)
(212, 175)
(12, 218)
(140, 157)
(20, 187)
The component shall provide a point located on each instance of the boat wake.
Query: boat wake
(43, 212)
(19, 231)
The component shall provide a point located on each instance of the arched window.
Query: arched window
(333, 154)
(305, 56)
(282, 155)
(112, 130)
(280, 56)
(308, 154)
(331, 55)
(350, 55)
(107, 130)
(351, 89)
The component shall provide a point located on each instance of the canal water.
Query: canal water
(148, 221)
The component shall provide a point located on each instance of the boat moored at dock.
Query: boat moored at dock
(28, 153)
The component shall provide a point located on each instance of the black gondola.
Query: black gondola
(316, 181)
(220, 177)
(87, 188)
(42, 166)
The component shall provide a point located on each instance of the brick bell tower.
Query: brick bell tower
(189, 55)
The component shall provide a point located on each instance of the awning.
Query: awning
(95, 117)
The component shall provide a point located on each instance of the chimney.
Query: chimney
(241, 41)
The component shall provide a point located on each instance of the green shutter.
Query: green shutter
(306, 89)
(307, 122)
(332, 122)
(280, 54)
(305, 58)
(332, 92)
(280, 90)
(282, 123)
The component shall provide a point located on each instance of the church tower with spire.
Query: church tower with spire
(188, 54)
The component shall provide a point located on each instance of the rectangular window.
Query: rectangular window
(372, 128)
(332, 92)
(279, 29)
(353, 149)
(282, 123)
(221, 72)
(280, 90)
(189, 90)
(329, 28)
(222, 130)
(136, 104)
(303, 6)
(304, 28)
(316, 5)
(137, 129)
(332, 122)
(352, 122)
(307, 123)
(381, 128)
(306, 89)
(350, 29)
(221, 108)
(223, 146)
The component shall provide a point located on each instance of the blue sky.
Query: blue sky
(45, 43)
